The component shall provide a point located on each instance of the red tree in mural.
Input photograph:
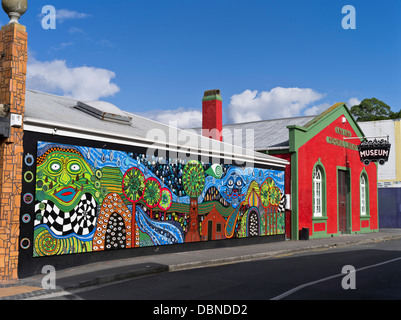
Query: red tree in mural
(133, 186)
(194, 182)
(152, 194)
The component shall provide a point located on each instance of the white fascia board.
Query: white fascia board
(59, 129)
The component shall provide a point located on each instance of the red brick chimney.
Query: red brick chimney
(212, 115)
(13, 63)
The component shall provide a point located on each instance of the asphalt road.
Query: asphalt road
(315, 275)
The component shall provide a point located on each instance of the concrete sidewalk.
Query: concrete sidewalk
(111, 271)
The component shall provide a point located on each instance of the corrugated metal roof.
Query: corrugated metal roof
(46, 112)
(266, 134)
(269, 133)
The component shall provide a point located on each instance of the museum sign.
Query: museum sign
(374, 151)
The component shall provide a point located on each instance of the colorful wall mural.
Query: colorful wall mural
(91, 199)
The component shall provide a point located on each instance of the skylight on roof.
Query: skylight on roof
(103, 110)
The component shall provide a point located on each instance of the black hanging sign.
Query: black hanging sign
(374, 151)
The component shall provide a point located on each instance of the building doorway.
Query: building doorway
(344, 191)
(210, 230)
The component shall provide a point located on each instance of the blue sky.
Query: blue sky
(270, 58)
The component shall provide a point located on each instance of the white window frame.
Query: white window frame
(317, 193)
(363, 195)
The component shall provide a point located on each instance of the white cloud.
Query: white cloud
(62, 46)
(316, 110)
(276, 103)
(181, 117)
(353, 102)
(105, 43)
(65, 14)
(76, 30)
(84, 83)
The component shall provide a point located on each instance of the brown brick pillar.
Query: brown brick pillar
(13, 63)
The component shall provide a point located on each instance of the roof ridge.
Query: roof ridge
(323, 114)
(259, 121)
(51, 94)
(266, 120)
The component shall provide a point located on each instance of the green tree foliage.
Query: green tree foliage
(373, 109)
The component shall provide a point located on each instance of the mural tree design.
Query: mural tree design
(270, 197)
(152, 194)
(274, 199)
(166, 200)
(264, 194)
(194, 182)
(264, 198)
(133, 185)
(274, 196)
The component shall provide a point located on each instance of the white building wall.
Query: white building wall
(387, 174)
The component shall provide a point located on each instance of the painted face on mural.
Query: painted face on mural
(234, 189)
(63, 177)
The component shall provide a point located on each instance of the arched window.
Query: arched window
(318, 181)
(364, 194)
